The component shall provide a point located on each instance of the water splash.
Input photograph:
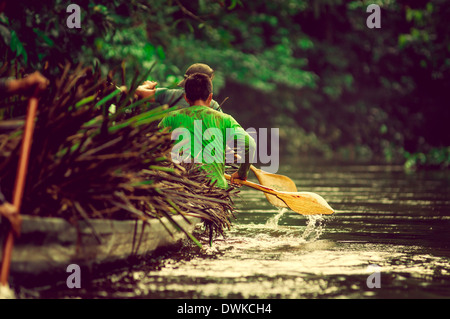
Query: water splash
(314, 227)
(273, 221)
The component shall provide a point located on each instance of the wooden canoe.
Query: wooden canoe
(47, 246)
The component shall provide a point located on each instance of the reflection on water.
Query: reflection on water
(383, 217)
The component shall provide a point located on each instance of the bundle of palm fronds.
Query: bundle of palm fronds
(87, 162)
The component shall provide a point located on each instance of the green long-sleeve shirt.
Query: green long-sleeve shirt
(209, 132)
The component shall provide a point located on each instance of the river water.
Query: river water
(389, 238)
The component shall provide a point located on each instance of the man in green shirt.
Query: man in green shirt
(206, 133)
(175, 96)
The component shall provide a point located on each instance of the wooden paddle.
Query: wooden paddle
(304, 203)
(20, 184)
(275, 181)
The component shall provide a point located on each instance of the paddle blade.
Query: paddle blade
(275, 181)
(306, 203)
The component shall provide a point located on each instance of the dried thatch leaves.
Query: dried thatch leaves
(87, 163)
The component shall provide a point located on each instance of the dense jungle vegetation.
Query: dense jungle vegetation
(335, 88)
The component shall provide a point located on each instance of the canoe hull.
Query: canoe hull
(48, 245)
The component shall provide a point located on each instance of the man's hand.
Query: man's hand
(235, 176)
(8, 211)
(37, 80)
(27, 85)
(146, 89)
(150, 84)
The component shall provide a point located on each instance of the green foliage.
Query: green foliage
(373, 92)
(436, 157)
